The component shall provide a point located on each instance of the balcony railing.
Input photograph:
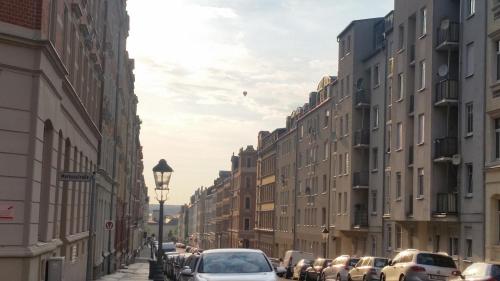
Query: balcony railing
(362, 138)
(447, 203)
(361, 218)
(446, 92)
(445, 148)
(411, 107)
(362, 98)
(360, 179)
(448, 35)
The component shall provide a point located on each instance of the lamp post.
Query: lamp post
(324, 234)
(162, 173)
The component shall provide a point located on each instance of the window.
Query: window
(422, 74)
(420, 182)
(325, 183)
(389, 136)
(298, 216)
(247, 224)
(469, 59)
(348, 45)
(339, 204)
(401, 85)
(247, 182)
(375, 158)
(497, 139)
(342, 48)
(346, 124)
(453, 246)
(468, 248)
(471, 7)
(469, 179)
(341, 88)
(374, 201)
(249, 162)
(423, 21)
(323, 216)
(346, 166)
(498, 59)
(341, 126)
(326, 149)
(376, 74)
(398, 185)
(345, 202)
(247, 203)
(399, 237)
(340, 164)
(301, 131)
(401, 37)
(327, 118)
(469, 109)
(399, 136)
(389, 237)
(347, 85)
(375, 116)
(437, 239)
(421, 128)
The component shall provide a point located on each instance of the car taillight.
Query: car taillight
(416, 268)
(456, 273)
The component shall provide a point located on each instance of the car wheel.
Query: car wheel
(402, 278)
(364, 278)
(382, 277)
(349, 277)
(322, 278)
(338, 277)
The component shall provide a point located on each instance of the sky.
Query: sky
(194, 59)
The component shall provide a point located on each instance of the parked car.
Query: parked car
(419, 265)
(340, 267)
(367, 269)
(168, 247)
(479, 271)
(190, 262)
(292, 257)
(169, 264)
(232, 264)
(179, 263)
(299, 270)
(315, 272)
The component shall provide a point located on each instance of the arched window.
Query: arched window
(46, 181)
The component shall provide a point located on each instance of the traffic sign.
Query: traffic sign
(75, 176)
(109, 225)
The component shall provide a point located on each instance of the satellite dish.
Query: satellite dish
(443, 70)
(456, 159)
(245, 93)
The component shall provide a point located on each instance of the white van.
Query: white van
(292, 257)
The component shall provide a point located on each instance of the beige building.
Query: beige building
(492, 135)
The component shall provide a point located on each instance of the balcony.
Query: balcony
(447, 204)
(448, 35)
(446, 93)
(412, 55)
(411, 106)
(361, 138)
(445, 148)
(362, 98)
(360, 180)
(360, 218)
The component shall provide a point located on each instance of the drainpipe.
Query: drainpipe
(295, 189)
(485, 81)
(459, 129)
(384, 145)
(329, 177)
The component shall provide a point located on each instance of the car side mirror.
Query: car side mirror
(186, 271)
(390, 262)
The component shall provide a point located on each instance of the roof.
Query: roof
(352, 24)
(231, 250)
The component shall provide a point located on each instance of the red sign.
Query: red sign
(6, 212)
(109, 225)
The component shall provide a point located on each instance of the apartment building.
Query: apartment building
(492, 134)
(265, 224)
(284, 230)
(435, 94)
(312, 170)
(243, 180)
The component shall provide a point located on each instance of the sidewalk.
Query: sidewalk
(134, 272)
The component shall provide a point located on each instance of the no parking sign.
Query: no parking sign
(109, 225)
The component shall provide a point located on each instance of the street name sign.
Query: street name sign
(75, 176)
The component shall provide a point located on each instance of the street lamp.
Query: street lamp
(162, 173)
(324, 234)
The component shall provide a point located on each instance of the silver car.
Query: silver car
(230, 265)
(367, 269)
(415, 265)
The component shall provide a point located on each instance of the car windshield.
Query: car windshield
(435, 260)
(380, 263)
(477, 269)
(234, 262)
(353, 262)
